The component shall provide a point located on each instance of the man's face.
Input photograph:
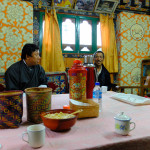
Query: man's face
(99, 59)
(34, 59)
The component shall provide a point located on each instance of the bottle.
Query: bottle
(97, 95)
(77, 81)
(90, 83)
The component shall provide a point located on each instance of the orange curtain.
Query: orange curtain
(109, 43)
(52, 58)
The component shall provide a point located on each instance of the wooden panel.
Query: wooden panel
(112, 77)
(69, 61)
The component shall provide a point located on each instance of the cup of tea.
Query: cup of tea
(104, 89)
(35, 135)
(123, 124)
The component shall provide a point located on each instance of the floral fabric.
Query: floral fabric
(16, 29)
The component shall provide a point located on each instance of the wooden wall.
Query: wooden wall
(69, 61)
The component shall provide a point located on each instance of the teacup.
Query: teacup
(104, 89)
(36, 135)
(122, 124)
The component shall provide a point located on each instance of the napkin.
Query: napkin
(79, 103)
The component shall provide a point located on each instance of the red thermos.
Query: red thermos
(77, 81)
(90, 83)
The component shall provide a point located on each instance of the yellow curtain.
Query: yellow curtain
(109, 43)
(52, 58)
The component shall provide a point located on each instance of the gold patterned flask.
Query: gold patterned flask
(77, 81)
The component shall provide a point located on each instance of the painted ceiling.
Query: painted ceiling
(99, 6)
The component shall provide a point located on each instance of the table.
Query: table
(91, 133)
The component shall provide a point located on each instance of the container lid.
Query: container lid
(88, 59)
(122, 116)
(77, 67)
(97, 83)
(77, 61)
(66, 107)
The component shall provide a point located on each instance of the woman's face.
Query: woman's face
(99, 59)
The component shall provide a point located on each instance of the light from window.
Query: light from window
(43, 26)
(85, 32)
(68, 31)
(68, 48)
(85, 49)
(99, 43)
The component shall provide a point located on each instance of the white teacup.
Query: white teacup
(36, 135)
(104, 89)
(122, 124)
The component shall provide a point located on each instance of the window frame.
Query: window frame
(60, 17)
(77, 24)
(42, 15)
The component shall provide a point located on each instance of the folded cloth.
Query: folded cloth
(43, 86)
(131, 99)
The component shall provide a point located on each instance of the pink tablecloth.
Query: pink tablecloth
(91, 133)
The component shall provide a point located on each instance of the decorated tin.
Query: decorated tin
(38, 100)
(77, 81)
(11, 109)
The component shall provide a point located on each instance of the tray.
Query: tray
(131, 99)
(89, 107)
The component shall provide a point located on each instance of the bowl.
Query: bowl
(59, 124)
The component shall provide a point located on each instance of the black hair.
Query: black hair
(28, 49)
(98, 52)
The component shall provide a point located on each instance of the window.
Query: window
(85, 38)
(68, 34)
(79, 34)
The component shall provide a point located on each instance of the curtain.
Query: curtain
(52, 58)
(109, 43)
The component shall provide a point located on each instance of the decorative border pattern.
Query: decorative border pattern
(131, 51)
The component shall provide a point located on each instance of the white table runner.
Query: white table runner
(131, 99)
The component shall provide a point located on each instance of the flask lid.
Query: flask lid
(77, 61)
(97, 83)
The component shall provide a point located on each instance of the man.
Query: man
(27, 72)
(101, 73)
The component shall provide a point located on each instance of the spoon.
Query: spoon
(78, 111)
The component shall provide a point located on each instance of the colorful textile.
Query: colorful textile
(52, 58)
(16, 29)
(109, 43)
(133, 40)
(58, 82)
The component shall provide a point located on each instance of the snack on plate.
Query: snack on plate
(59, 115)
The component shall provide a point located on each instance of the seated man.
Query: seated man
(27, 72)
(147, 82)
(101, 73)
